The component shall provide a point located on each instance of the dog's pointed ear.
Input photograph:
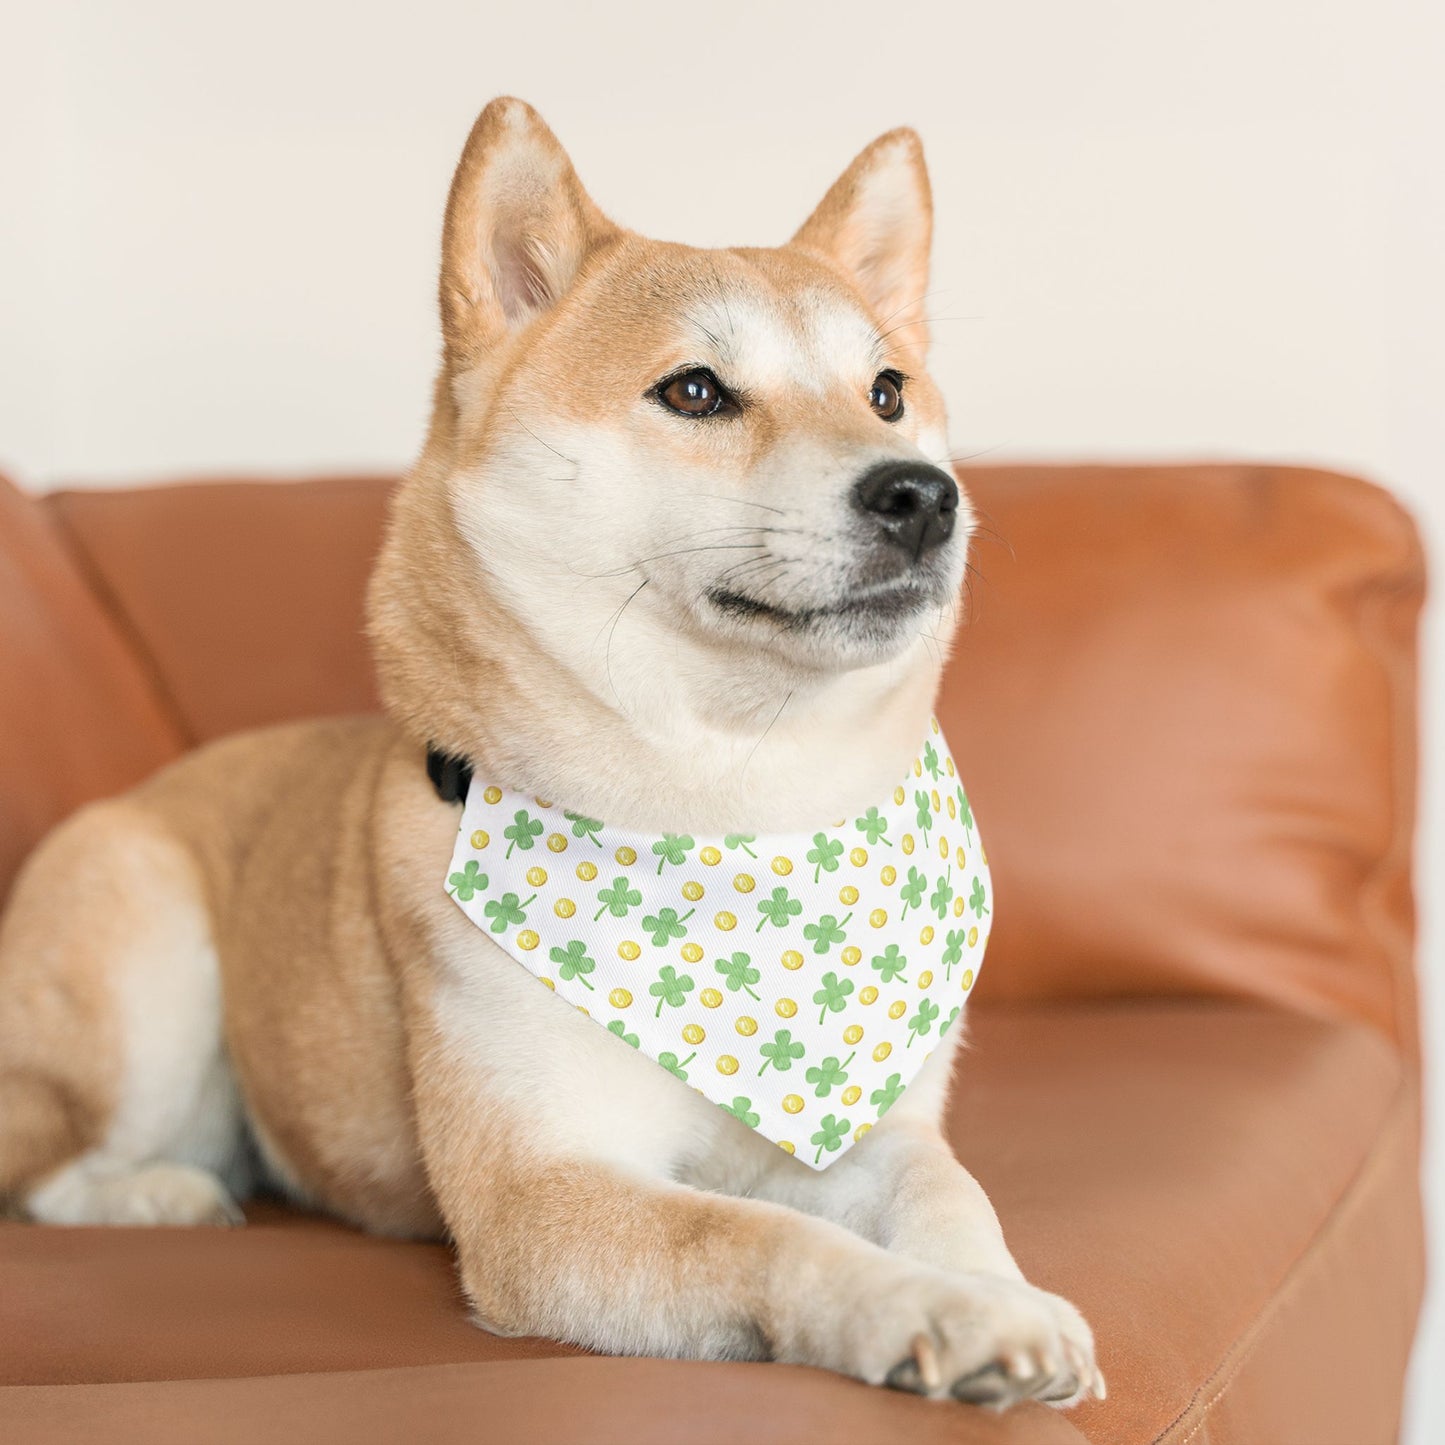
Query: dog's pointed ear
(877, 223)
(518, 228)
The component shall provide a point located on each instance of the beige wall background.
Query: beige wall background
(1163, 228)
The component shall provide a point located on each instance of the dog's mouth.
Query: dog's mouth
(887, 606)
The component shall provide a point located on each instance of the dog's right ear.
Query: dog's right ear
(518, 228)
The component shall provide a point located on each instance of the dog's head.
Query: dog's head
(739, 450)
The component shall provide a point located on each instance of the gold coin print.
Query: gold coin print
(792, 1104)
(973, 937)
(962, 857)
(619, 997)
(952, 809)
(882, 1051)
(925, 934)
(786, 1145)
(493, 795)
(897, 1009)
(582, 1010)
(710, 856)
(983, 853)
(925, 978)
(629, 950)
(726, 1064)
(848, 894)
(693, 1033)
(917, 768)
(557, 843)
(745, 882)
(852, 1094)
(536, 876)
(726, 921)
(527, 939)
(907, 844)
(869, 994)
(541, 802)
(481, 838)
(710, 998)
(786, 1008)
(692, 952)
(792, 959)
(937, 801)
(958, 906)
(852, 1033)
(933, 723)
(564, 908)
(878, 917)
(948, 765)
(747, 1027)
(782, 866)
(967, 979)
(586, 871)
(852, 955)
(889, 875)
(550, 984)
(943, 847)
(626, 856)
(692, 891)
(860, 1131)
(898, 795)
(858, 857)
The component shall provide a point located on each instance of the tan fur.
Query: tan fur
(256, 942)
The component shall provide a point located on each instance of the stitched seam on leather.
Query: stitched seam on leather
(1242, 1349)
(124, 623)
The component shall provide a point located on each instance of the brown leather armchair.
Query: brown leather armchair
(1186, 700)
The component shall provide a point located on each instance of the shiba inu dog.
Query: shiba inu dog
(678, 554)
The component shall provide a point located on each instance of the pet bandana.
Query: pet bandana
(797, 980)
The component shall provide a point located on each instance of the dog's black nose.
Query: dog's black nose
(914, 504)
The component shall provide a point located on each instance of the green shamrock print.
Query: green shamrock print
(890, 964)
(825, 852)
(741, 1108)
(672, 848)
(583, 826)
(523, 830)
(778, 909)
(829, 1075)
(833, 995)
(827, 931)
(947, 1024)
(781, 1052)
(943, 894)
(922, 1021)
(930, 761)
(671, 988)
(668, 1060)
(741, 840)
(469, 882)
(925, 812)
(953, 952)
(507, 910)
(738, 974)
(885, 1098)
(976, 899)
(965, 815)
(873, 826)
(617, 899)
(829, 1136)
(665, 924)
(620, 1029)
(912, 892)
(572, 962)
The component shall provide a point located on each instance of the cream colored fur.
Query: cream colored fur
(263, 974)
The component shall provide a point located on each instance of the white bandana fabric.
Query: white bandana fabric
(797, 980)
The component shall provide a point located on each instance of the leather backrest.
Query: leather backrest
(79, 717)
(1183, 704)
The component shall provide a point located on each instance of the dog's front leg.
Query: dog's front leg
(902, 1189)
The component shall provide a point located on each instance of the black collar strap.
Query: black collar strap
(450, 775)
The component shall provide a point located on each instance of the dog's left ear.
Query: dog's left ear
(877, 223)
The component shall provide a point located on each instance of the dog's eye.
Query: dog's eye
(694, 393)
(886, 397)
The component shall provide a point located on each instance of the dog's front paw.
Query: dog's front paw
(981, 1338)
